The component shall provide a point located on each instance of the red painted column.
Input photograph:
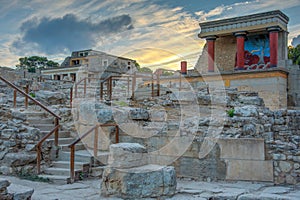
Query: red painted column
(240, 45)
(273, 36)
(211, 52)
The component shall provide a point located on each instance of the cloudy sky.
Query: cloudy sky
(157, 33)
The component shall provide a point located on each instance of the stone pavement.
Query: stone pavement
(186, 190)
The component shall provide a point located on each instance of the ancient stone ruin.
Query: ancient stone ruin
(140, 133)
(129, 175)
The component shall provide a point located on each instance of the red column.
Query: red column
(273, 36)
(211, 52)
(240, 43)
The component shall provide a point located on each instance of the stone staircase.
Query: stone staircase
(59, 171)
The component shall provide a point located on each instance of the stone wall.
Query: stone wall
(270, 139)
(9, 74)
(201, 65)
(17, 143)
(271, 89)
(225, 53)
(294, 86)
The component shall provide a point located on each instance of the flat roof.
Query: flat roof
(251, 23)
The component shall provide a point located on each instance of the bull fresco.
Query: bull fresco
(257, 52)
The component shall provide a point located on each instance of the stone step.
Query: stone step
(78, 146)
(34, 121)
(59, 171)
(61, 134)
(66, 164)
(44, 127)
(85, 156)
(62, 141)
(31, 114)
(56, 179)
(79, 156)
(20, 191)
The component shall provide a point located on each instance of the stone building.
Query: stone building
(250, 53)
(91, 63)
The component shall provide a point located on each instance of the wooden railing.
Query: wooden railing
(109, 84)
(56, 121)
(72, 145)
(39, 147)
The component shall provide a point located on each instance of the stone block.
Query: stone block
(127, 155)
(139, 114)
(242, 149)
(249, 170)
(211, 166)
(3, 185)
(158, 115)
(20, 192)
(246, 111)
(140, 182)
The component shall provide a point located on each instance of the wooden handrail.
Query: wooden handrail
(39, 148)
(57, 118)
(29, 97)
(72, 145)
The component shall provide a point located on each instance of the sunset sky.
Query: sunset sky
(156, 33)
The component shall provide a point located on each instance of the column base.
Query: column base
(272, 66)
(211, 71)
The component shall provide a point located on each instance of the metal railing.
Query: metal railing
(56, 121)
(72, 145)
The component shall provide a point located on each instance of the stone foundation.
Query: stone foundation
(130, 177)
(139, 182)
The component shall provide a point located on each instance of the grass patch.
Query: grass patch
(121, 103)
(32, 177)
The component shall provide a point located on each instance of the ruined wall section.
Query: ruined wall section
(274, 134)
(294, 86)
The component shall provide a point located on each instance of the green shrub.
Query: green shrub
(230, 112)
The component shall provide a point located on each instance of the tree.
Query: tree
(145, 69)
(294, 54)
(142, 69)
(167, 73)
(35, 62)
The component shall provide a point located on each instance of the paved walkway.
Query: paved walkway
(187, 190)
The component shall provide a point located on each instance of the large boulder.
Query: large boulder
(50, 98)
(18, 159)
(128, 175)
(20, 192)
(147, 181)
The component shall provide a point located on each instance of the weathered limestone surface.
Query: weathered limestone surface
(211, 167)
(242, 149)
(20, 192)
(250, 170)
(253, 133)
(127, 155)
(10, 191)
(139, 182)
(50, 98)
(129, 176)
